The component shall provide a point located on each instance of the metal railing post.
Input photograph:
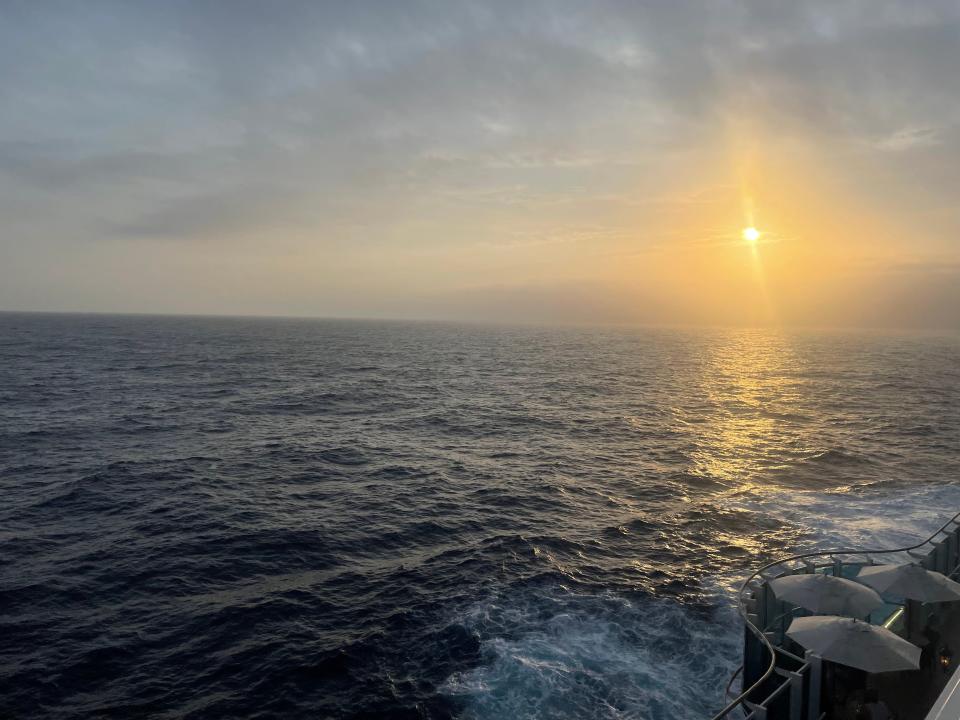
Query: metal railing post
(815, 671)
(939, 557)
(953, 550)
(796, 695)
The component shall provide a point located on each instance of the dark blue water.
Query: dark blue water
(211, 518)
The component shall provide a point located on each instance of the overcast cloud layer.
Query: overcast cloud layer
(498, 161)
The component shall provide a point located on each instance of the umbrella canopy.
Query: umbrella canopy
(911, 582)
(826, 595)
(855, 644)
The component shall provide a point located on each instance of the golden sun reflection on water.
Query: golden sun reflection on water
(754, 416)
(749, 544)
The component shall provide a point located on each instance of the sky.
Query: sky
(557, 162)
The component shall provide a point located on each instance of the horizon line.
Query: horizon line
(865, 329)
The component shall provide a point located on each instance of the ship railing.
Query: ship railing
(935, 552)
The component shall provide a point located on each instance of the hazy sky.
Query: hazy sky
(570, 162)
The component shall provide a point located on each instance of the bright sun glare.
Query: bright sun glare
(751, 234)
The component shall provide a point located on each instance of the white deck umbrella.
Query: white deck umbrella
(855, 643)
(910, 581)
(826, 595)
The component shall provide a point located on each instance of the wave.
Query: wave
(552, 653)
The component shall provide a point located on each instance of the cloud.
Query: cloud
(908, 138)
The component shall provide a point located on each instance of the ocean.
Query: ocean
(279, 518)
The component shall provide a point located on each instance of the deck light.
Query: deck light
(946, 658)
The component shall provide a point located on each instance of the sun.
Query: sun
(750, 234)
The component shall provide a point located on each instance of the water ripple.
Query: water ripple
(210, 518)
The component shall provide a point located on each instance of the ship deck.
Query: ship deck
(911, 695)
(797, 685)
